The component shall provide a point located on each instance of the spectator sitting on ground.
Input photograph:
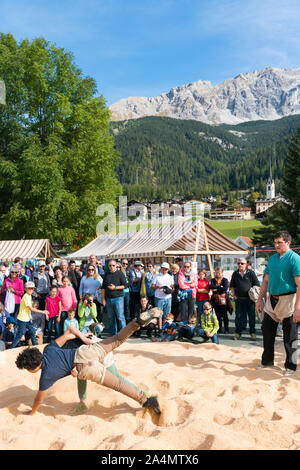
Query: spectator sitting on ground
(187, 329)
(9, 332)
(169, 329)
(87, 313)
(209, 324)
(154, 325)
(71, 319)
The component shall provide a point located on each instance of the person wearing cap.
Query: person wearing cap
(15, 285)
(136, 276)
(24, 322)
(163, 285)
(42, 284)
(9, 332)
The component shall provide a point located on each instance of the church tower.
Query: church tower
(270, 185)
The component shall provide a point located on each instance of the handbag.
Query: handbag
(221, 300)
(9, 303)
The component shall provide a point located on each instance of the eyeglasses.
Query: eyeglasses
(241, 263)
(186, 266)
(91, 270)
(111, 265)
(125, 264)
(14, 272)
(206, 309)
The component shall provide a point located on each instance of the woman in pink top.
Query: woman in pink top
(187, 282)
(15, 285)
(68, 299)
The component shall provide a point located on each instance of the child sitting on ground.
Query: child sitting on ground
(87, 312)
(71, 319)
(209, 324)
(9, 332)
(154, 325)
(187, 329)
(169, 329)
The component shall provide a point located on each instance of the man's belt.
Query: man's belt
(280, 295)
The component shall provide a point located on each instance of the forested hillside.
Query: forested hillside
(164, 157)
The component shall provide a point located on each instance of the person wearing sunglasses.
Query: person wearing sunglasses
(114, 283)
(126, 292)
(12, 284)
(241, 282)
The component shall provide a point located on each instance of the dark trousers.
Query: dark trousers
(290, 340)
(134, 300)
(186, 308)
(244, 307)
(127, 307)
(222, 316)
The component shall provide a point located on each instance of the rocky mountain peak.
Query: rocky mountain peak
(267, 94)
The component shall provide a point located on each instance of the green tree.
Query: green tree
(285, 216)
(57, 157)
(251, 200)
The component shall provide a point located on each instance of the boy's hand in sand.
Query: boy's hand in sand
(74, 372)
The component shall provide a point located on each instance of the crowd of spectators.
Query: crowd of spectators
(37, 304)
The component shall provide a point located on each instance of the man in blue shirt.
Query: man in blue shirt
(85, 362)
(281, 282)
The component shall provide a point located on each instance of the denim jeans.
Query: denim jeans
(186, 308)
(22, 326)
(127, 306)
(200, 304)
(164, 305)
(63, 316)
(213, 338)
(53, 321)
(115, 311)
(244, 307)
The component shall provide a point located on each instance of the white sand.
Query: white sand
(212, 397)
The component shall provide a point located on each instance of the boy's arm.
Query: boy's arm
(39, 398)
(72, 333)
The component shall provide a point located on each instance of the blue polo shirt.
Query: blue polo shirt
(282, 272)
(57, 363)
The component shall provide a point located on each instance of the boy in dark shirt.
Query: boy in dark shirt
(85, 362)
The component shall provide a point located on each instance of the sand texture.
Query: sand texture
(212, 397)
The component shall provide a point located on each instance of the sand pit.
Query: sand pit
(212, 397)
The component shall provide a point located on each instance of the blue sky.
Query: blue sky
(147, 47)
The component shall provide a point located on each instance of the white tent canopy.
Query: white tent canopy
(180, 239)
(101, 247)
(26, 249)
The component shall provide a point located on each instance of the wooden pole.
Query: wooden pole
(208, 254)
(197, 239)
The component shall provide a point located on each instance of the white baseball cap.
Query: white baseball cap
(165, 265)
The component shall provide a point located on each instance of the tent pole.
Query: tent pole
(197, 241)
(208, 255)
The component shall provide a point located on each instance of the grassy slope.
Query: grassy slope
(233, 228)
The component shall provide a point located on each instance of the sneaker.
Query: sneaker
(237, 336)
(92, 327)
(263, 366)
(288, 372)
(152, 403)
(145, 317)
(253, 335)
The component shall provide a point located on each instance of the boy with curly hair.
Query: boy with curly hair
(85, 362)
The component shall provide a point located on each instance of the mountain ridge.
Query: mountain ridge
(268, 94)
